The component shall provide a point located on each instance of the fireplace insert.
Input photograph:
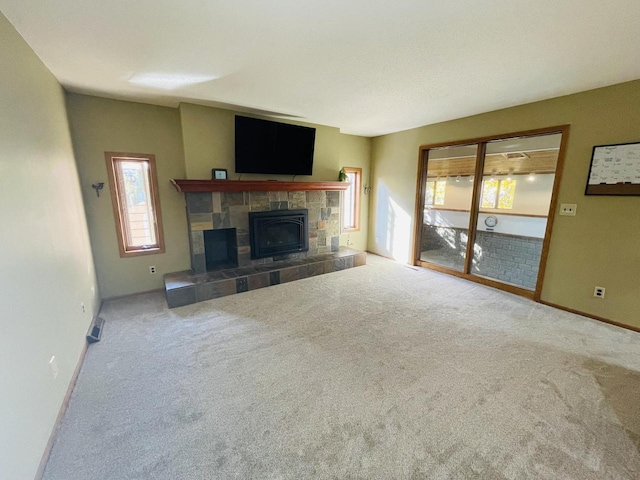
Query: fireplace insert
(278, 232)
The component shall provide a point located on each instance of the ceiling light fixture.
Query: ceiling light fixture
(532, 177)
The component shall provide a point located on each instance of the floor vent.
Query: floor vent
(411, 267)
(95, 332)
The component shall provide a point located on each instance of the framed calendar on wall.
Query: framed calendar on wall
(614, 170)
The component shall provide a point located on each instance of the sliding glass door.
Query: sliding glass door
(517, 184)
(448, 188)
(483, 208)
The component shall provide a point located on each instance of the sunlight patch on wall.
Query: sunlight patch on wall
(402, 232)
(393, 228)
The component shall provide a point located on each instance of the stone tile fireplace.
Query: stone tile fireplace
(210, 212)
(224, 260)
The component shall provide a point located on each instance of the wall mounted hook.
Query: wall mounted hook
(97, 186)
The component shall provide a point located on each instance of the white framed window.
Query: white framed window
(351, 200)
(136, 205)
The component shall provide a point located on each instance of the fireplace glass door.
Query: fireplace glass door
(278, 232)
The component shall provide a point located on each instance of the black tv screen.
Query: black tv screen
(263, 146)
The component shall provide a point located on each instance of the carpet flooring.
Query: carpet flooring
(377, 372)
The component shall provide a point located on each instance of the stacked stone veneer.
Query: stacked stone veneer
(217, 210)
(510, 258)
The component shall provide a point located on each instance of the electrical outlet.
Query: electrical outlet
(599, 292)
(53, 366)
(568, 209)
(82, 307)
(152, 270)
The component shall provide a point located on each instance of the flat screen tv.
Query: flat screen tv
(263, 146)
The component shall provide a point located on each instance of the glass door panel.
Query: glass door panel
(448, 193)
(517, 184)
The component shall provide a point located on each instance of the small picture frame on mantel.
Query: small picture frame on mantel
(218, 174)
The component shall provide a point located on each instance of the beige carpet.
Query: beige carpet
(377, 372)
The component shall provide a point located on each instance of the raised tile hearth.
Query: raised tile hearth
(185, 288)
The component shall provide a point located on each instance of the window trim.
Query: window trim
(118, 214)
(357, 192)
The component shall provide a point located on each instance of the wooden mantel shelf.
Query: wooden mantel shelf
(188, 186)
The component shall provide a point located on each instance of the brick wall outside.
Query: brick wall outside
(510, 258)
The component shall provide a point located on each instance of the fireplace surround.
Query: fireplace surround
(230, 210)
(222, 218)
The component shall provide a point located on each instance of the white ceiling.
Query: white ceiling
(368, 67)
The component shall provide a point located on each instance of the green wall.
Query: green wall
(46, 266)
(187, 142)
(209, 142)
(100, 125)
(356, 152)
(599, 246)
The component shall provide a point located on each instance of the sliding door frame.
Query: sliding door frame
(475, 207)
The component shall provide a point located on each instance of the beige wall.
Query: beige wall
(99, 125)
(599, 246)
(46, 267)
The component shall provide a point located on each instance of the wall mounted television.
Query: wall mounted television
(263, 146)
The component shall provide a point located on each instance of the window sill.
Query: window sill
(146, 251)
